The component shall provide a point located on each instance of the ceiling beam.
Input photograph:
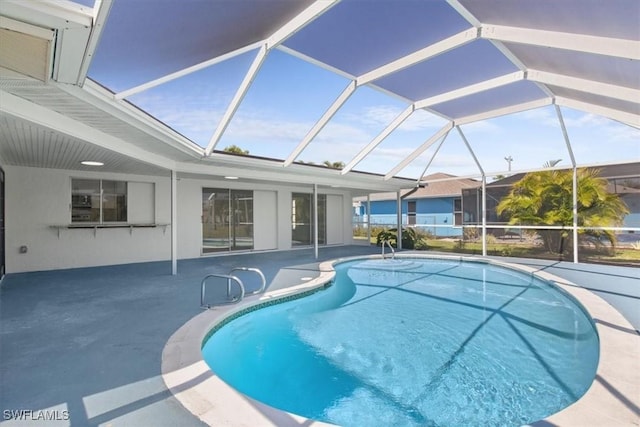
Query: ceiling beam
(617, 115)
(315, 62)
(473, 154)
(471, 89)
(33, 113)
(497, 43)
(424, 54)
(583, 85)
(378, 139)
(237, 99)
(565, 135)
(421, 55)
(100, 13)
(458, 7)
(320, 124)
(280, 35)
(301, 20)
(433, 156)
(504, 111)
(621, 48)
(411, 157)
(185, 71)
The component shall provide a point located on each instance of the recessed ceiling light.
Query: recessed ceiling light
(92, 163)
(230, 177)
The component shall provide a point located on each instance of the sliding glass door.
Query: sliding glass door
(227, 220)
(302, 219)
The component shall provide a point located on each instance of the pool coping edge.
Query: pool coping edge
(612, 398)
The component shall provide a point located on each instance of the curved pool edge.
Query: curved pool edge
(612, 399)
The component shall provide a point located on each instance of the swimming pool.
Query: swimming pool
(414, 342)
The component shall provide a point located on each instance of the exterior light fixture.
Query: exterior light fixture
(230, 177)
(91, 163)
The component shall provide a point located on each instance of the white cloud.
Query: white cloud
(257, 129)
(422, 120)
(393, 153)
(539, 117)
(484, 126)
(376, 116)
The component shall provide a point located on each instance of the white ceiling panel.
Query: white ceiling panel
(610, 18)
(603, 101)
(449, 71)
(501, 97)
(31, 145)
(145, 40)
(359, 36)
(464, 60)
(605, 69)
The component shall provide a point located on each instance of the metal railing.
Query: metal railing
(254, 270)
(387, 243)
(231, 279)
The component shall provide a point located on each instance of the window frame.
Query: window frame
(100, 195)
(458, 212)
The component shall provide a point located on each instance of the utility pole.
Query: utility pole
(509, 159)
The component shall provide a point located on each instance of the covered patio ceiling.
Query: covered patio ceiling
(449, 63)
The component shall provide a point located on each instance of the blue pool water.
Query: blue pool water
(414, 343)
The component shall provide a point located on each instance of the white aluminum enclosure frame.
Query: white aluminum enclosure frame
(78, 34)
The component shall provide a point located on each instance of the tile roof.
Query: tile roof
(444, 185)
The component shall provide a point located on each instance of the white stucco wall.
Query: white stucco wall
(37, 199)
(335, 214)
(265, 223)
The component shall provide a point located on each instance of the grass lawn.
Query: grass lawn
(623, 256)
(627, 256)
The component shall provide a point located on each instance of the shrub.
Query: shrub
(470, 233)
(421, 245)
(408, 237)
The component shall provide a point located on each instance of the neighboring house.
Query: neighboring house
(624, 179)
(436, 208)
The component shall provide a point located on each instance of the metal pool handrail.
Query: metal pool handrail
(231, 278)
(255, 270)
(393, 252)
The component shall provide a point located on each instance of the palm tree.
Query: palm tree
(234, 149)
(545, 198)
(333, 165)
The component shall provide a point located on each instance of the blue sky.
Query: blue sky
(290, 95)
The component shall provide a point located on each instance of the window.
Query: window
(98, 201)
(457, 211)
(411, 212)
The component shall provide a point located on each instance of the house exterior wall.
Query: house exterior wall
(39, 199)
(429, 212)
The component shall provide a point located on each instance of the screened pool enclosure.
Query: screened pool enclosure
(325, 100)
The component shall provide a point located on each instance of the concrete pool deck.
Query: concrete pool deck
(90, 341)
